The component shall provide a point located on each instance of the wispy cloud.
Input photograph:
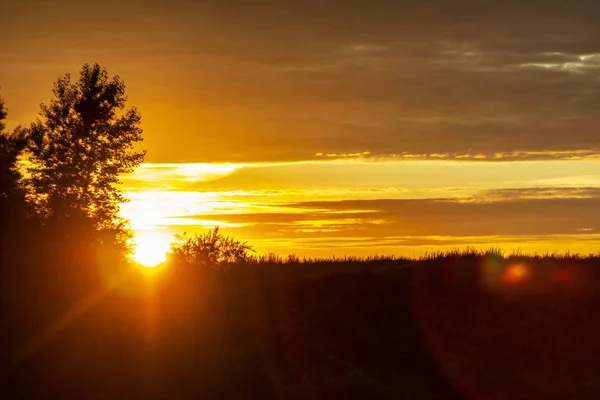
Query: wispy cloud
(401, 177)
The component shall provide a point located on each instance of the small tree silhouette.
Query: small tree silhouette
(209, 250)
(81, 144)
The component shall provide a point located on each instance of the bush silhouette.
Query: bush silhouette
(211, 249)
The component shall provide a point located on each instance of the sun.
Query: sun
(150, 250)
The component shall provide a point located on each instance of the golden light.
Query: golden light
(150, 249)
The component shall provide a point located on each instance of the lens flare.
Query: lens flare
(515, 274)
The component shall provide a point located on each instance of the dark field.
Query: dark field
(459, 326)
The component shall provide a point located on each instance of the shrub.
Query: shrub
(210, 249)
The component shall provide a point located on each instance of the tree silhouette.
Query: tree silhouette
(12, 197)
(83, 141)
(3, 114)
(12, 145)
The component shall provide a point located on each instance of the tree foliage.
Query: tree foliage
(83, 141)
(12, 145)
(209, 249)
(3, 114)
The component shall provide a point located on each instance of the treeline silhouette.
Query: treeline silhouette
(216, 321)
(61, 238)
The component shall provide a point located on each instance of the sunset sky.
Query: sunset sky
(340, 127)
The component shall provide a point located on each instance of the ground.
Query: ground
(387, 332)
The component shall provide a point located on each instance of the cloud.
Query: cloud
(494, 195)
(360, 219)
(391, 177)
(256, 81)
(591, 154)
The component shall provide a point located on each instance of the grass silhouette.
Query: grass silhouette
(446, 325)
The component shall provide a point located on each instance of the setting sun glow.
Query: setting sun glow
(150, 250)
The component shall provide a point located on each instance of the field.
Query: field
(449, 326)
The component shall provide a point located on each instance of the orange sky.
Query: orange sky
(351, 127)
(364, 206)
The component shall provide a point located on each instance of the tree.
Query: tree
(12, 198)
(12, 145)
(209, 250)
(3, 114)
(83, 141)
